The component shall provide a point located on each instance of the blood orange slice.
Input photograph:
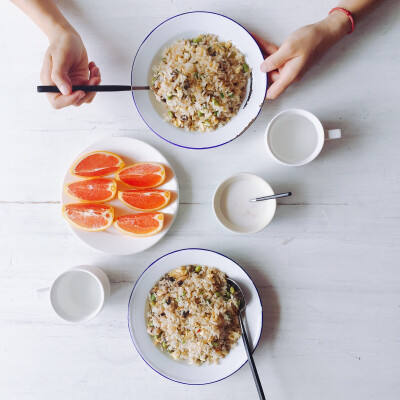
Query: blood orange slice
(143, 175)
(97, 164)
(89, 217)
(145, 224)
(92, 190)
(145, 200)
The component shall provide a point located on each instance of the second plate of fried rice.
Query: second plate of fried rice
(206, 84)
(182, 316)
(193, 314)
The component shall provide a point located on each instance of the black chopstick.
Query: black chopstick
(98, 88)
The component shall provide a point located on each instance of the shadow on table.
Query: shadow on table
(270, 303)
(299, 197)
(331, 147)
(271, 311)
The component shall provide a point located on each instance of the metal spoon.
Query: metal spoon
(274, 196)
(242, 306)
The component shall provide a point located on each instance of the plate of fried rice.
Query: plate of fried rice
(206, 87)
(183, 316)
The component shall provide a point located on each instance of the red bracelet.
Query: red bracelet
(348, 13)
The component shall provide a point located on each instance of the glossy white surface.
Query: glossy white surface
(180, 371)
(327, 266)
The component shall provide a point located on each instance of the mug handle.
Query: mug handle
(333, 134)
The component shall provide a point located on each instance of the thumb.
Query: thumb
(274, 61)
(59, 75)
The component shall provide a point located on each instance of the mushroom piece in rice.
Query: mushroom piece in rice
(202, 82)
(193, 314)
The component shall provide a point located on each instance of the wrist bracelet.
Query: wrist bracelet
(348, 13)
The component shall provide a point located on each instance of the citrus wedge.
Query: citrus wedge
(143, 175)
(93, 190)
(97, 164)
(145, 224)
(89, 217)
(145, 200)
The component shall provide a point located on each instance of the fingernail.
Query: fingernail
(64, 89)
(263, 68)
(81, 96)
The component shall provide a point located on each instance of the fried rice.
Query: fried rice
(202, 82)
(193, 314)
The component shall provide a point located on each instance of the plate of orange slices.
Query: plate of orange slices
(120, 196)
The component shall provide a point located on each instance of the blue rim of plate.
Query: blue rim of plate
(133, 96)
(129, 308)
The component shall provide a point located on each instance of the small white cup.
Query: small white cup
(79, 294)
(295, 137)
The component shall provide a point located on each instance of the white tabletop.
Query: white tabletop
(327, 267)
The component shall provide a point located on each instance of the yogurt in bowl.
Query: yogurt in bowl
(232, 206)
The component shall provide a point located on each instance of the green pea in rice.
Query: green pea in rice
(202, 82)
(190, 319)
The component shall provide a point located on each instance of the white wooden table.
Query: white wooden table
(328, 266)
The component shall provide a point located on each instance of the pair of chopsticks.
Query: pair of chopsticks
(98, 88)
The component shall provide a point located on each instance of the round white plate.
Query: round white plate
(191, 25)
(161, 362)
(111, 240)
(232, 206)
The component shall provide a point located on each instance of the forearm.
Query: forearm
(358, 8)
(46, 15)
(338, 23)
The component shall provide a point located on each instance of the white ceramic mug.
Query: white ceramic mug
(295, 137)
(79, 294)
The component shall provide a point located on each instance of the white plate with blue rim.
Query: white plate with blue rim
(186, 26)
(162, 362)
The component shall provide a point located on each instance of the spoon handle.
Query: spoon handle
(250, 358)
(274, 196)
(96, 88)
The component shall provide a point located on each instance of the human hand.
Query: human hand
(289, 62)
(66, 64)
